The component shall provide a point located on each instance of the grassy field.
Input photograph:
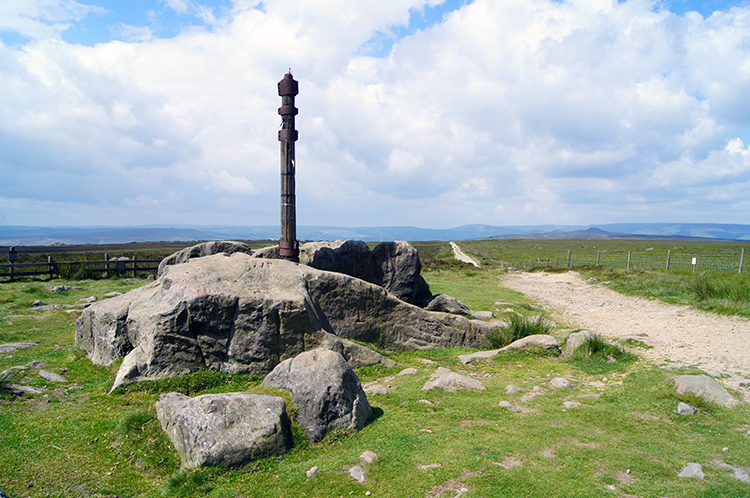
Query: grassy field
(75, 440)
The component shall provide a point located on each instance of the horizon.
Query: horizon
(422, 113)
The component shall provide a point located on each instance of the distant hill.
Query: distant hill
(34, 236)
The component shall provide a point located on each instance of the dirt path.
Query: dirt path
(717, 344)
(461, 256)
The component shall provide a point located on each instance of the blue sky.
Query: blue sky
(412, 112)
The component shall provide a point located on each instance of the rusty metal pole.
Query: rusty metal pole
(288, 245)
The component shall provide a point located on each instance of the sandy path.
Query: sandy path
(717, 344)
(461, 256)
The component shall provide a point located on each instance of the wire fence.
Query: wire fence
(631, 260)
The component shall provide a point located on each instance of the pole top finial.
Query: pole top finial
(288, 86)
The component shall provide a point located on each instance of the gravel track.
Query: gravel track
(719, 345)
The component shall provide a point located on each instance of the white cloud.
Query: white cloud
(529, 111)
(42, 18)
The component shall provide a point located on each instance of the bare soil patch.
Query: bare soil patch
(679, 334)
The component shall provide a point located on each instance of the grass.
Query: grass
(75, 440)
(597, 356)
(518, 327)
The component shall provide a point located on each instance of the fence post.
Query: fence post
(557, 261)
(598, 254)
(106, 264)
(50, 267)
(742, 259)
(628, 260)
(669, 258)
(568, 258)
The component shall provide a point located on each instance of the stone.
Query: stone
(15, 346)
(511, 389)
(225, 247)
(51, 377)
(543, 341)
(358, 474)
(407, 371)
(239, 314)
(311, 472)
(227, 430)
(692, 470)
(451, 381)
(367, 458)
(448, 304)
(376, 389)
(325, 390)
(482, 315)
(20, 389)
(703, 386)
(685, 409)
(506, 404)
(62, 288)
(571, 404)
(576, 339)
(112, 294)
(429, 403)
(560, 383)
(394, 266)
(90, 299)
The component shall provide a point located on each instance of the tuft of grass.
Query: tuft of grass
(597, 356)
(193, 383)
(6, 377)
(635, 343)
(518, 328)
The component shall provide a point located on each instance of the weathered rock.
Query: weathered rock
(685, 409)
(567, 405)
(448, 304)
(451, 381)
(225, 430)
(692, 470)
(576, 339)
(311, 471)
(226, 247)
(397, 269)
(511, 389)
(358, 474)
(537, 340)
(703, 386)
(325, 390)
(560, 383)
(395, 266)
(407, 371)
(51, 376)
(15, 346)
(367, 458)
(240, 314)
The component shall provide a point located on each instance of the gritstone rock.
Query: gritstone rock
(204, 249)
(685, 409)
(576, 339)
(325, 390)
(448, 304)
(692, 470)
(240, 314)
(703, 386)
(560, 383)
(451, 381)
(538, 340)
(226, 430)
(394, 266)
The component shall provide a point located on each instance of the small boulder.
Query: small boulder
(692, 470)
(227, 430)
(358, 474)
(448, 304)
(576, 339)
(703, 386)
(541, 340)
(560, 383)
(51, 377)
(570, 404)
(367, 458)
(685, 409)
(325, 390)
(511, 389)
(311, 472)
(451, 381)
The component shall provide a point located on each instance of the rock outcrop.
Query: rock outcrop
(325, 390)
(227, 429)
(394, 266)
(226, 247)
(240, 314)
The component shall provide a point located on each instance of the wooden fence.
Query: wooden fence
(73, 269)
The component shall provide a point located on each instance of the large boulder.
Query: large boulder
(448, 304)
(226, 247)
(395, 266)
(240, 314)
(325, 390)
(398, 270)
(703, 386)
(227, 429)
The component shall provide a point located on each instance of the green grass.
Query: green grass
(75, 440)
(597, 356)
(518, 327)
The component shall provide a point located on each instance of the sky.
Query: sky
(424, 113)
